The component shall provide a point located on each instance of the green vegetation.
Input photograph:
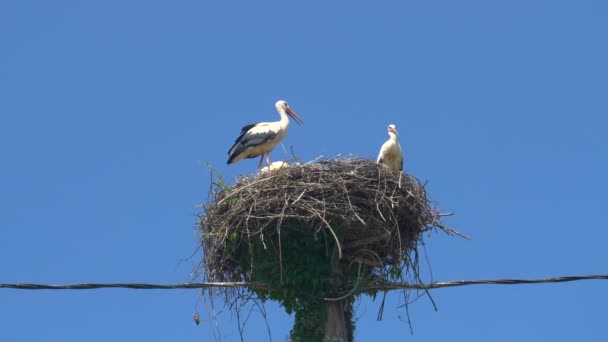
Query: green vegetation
(301, 270)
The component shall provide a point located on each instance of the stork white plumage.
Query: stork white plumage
(390, 152)
(275, 166)
(261, 138)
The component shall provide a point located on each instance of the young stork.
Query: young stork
(261, 138)
(390, 152)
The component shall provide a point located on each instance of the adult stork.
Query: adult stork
(390, 152)
(261, 138)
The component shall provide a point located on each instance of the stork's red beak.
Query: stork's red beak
(294, 115)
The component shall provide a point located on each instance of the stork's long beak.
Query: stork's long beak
(394, 130)
(294, 115)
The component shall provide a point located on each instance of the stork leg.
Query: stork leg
(268, 160)
(261, 161)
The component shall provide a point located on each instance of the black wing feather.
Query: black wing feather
(244, 130)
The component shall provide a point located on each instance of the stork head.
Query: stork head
(283, 107)
(392, 129)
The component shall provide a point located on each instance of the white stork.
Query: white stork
(261, 138)
(390, 152)
(275, 165)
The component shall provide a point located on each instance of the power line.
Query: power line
(454, 283)
(135, 286)
(363, 288)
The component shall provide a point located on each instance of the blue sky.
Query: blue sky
(108, 110)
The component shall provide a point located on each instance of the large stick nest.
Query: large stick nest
(373, 215)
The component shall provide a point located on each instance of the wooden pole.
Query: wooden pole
(338, 326)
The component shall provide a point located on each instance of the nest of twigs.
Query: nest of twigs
(366, 212)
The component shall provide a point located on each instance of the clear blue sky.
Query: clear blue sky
(108, 108)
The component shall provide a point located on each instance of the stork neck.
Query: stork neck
(284, 117)
(392, 135)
